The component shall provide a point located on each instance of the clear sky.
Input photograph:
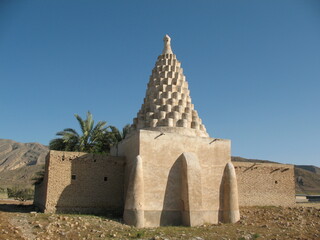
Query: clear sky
(253, 68)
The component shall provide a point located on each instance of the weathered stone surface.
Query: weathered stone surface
(191, 190)
(134, 205)
(230, 203)
(163, 170)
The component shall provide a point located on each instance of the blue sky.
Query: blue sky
(253, 68)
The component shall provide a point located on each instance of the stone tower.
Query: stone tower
(175, 174)
(167, 106)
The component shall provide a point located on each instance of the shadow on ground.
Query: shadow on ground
(16, 206)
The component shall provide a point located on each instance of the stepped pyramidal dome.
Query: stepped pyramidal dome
(167, 106)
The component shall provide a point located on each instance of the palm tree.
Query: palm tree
(71, 140)
(115, 136)
(118, 136)
(112, 138)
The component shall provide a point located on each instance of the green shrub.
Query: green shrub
(21, 194)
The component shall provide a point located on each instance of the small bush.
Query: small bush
(21, 194)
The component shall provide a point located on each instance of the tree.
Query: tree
(117, 135)
(98, 139)
(87, 141)
(112, 138)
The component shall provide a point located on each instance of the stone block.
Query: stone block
(176, 115)
(194, 113)
(185, 123)
(153, 122)
(175, 95)
(162, 122)
(168, 108)
(179, 123)
(162, 114)
(149, 115)
(170, 122)
(170, 87)
(195, 125)
(185, 116)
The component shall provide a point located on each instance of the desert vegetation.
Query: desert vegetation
(19, 193)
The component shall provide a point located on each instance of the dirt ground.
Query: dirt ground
(19, 221)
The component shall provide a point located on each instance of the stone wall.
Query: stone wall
(265, 184)
(161, 164)
(80, 182)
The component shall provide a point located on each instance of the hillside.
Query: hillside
(307, 177)
(307, 181)
(310, 168)
(19, 162)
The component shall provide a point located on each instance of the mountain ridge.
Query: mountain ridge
(19, 162)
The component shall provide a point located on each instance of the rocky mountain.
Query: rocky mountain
(19, 162)
(307, 177)
(310, 168)
(307, 180)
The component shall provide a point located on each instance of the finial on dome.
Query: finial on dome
(167, 46)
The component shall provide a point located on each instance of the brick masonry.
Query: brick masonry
(265, 184)
(80, 182)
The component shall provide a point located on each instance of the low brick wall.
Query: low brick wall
(265, 184)
(81, 183)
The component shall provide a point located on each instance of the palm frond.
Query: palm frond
(57, 144)
(71, 130)
(125, 131)
(81, 123)
(92, 138)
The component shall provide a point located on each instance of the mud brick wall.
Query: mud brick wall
(265, 184)
(82, 183)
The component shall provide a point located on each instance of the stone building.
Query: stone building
(167, 171)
